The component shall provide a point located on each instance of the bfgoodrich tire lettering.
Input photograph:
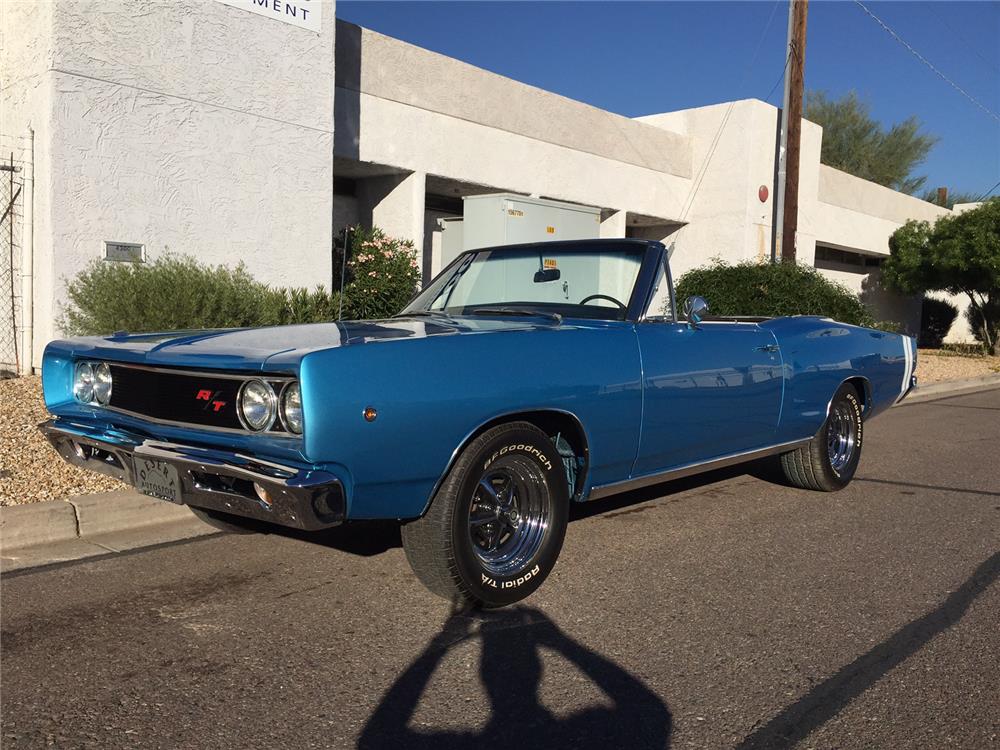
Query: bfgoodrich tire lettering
(496, 525)
(828, 462)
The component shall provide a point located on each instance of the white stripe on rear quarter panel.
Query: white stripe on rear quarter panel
(908, 368)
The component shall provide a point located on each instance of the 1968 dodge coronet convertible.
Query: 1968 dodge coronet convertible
(523, 378)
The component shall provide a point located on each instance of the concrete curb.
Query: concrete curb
(111, 512)
(87, 525)
(36, 523)
(951, 387)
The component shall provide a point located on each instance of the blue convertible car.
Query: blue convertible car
(522, 379)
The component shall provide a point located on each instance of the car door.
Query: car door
(708, 391)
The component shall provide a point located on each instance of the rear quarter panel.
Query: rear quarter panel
(431, 393)
(819, 354)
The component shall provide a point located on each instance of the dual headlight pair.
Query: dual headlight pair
(259, 406)
(92, 383)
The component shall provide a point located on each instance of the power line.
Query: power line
(760, 42)
(781, 77)
(928, 63)
(991, 64)
(988, 192)
(696, 185)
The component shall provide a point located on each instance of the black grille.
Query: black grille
(192, 398)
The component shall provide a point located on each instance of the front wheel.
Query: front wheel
(828, 462)
(496, 525)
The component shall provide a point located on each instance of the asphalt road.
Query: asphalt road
(717, 612)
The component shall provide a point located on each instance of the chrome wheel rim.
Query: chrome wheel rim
(508, 516)
(841, 435)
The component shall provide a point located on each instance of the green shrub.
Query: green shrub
(176, 292)
(772, 289)
(382, 275)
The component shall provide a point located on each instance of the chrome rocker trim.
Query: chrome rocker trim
(210, 478)
(695, 468)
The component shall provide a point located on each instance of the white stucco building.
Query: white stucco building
(239, 130)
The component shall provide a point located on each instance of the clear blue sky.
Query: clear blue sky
(646, 57)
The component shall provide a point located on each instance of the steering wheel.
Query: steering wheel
(585, 300)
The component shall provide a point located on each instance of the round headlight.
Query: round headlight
(102, 383)
(291, 408)
(258, 405)
(83, 383)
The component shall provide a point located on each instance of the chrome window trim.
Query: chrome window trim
(664, 260)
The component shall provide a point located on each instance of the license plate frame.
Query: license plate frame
(158, 479)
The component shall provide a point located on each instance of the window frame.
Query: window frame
(664, 262)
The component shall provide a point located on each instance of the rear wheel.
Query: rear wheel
(496, 525)
(828, 462)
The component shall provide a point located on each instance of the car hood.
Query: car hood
(275, 348)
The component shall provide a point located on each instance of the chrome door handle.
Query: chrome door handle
(767, 348)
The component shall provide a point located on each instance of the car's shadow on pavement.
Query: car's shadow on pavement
(765, 469)
(510, 669)
(826, 699)
(368, 538)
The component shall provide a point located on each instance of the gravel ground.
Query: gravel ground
(933, 366)
(30, 470)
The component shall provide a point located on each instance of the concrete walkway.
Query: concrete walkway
(90, 525)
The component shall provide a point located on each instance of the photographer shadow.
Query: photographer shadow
(510, 668)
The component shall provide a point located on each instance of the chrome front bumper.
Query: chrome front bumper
(210, 478)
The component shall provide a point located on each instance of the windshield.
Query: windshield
(558, 279)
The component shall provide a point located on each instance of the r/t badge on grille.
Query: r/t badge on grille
(211, 399)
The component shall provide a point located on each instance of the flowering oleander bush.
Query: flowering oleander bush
(382, 275)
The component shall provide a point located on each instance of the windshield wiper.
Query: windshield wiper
(556, 317)
(425, 314)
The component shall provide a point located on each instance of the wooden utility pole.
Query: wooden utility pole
(792, 129)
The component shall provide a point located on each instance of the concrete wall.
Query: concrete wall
(158, 127)
(733, 147)
(26, 106)
(858, 215)
(389, 69)
(405, 108)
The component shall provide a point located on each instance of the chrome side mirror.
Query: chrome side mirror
(695, 308)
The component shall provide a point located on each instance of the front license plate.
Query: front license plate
(157, 478)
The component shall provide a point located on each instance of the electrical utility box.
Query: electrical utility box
(509, 219)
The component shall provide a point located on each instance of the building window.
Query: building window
(833, 258)
(124, 252)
